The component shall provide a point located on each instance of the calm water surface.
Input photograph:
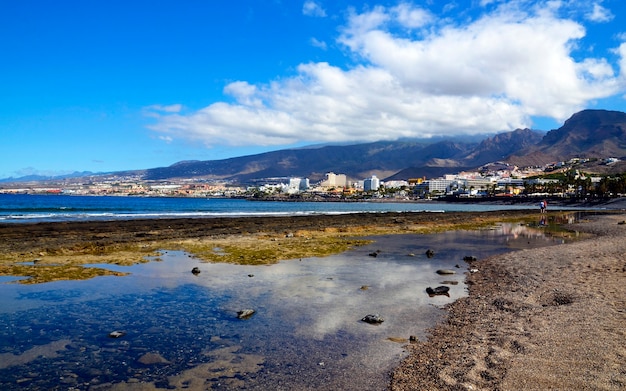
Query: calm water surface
(181, 330)
(22, 208)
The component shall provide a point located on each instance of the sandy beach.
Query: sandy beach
(535, 319)
(551, 318)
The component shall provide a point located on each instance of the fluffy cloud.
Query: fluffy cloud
(311, 8)
(416, 75)
(599, 14)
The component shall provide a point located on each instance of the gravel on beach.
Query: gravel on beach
(550, 318)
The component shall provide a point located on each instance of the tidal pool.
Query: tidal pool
(181, 331)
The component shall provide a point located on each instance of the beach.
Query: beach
(535, 319)
(551, 318)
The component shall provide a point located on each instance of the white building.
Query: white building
(297, 185)
(395, 184)
(371, 184)
(334, 180)
(440, 186)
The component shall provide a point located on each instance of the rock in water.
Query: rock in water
(152, 358)
(245, 314)
(440, 290)
(373, 319)
(430, 253)
(195, 270)
(116, 334)
(445, 271)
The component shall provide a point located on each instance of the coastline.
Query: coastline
(536, 319)
(522, 310)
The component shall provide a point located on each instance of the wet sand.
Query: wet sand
(535, 319)
(551, 318)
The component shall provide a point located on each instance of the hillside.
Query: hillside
(386, 159)
(589, 133)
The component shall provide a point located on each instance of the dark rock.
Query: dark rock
(373, 319)
(152, 358)
(445, 271)
(469, 258)
(195, 270)
(116, 334)
(374, 254)
(440, 290)
(430, 253)
(245, 314)
(413, 338)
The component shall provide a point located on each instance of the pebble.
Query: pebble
(373, 319)
(244, 314)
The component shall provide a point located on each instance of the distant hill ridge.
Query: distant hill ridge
(589, 133)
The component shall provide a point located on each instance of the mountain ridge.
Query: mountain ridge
(588, 134)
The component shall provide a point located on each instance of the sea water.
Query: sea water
(40, 208)
(181, 331)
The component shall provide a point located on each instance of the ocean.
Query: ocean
(21, 208)
(163, 327)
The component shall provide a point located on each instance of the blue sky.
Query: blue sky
(113, 85)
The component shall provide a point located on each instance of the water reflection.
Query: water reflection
(182, 329)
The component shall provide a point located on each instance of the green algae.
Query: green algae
(39, 274)
(65, 263)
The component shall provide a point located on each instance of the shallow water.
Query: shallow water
(182, 332)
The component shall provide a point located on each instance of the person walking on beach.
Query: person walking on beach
(542, 206)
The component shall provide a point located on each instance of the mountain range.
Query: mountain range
(587, 134)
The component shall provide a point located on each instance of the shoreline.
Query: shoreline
(536, 319)
(522, 309)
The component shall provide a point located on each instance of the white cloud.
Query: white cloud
(489, 74)
(410, 16)
(319, 44)
(599, 14)
(175, 108)
(312, 8)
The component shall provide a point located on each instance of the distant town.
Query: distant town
(561, 179)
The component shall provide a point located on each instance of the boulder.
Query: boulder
(445, 271)
(373, 319)
(440, 290)
(195, 270)
(430, 253)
